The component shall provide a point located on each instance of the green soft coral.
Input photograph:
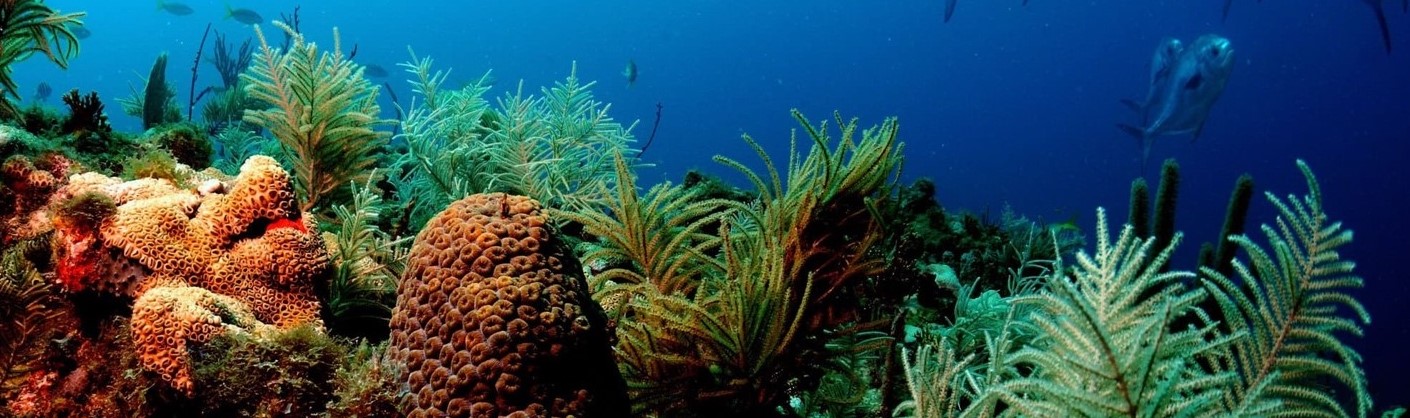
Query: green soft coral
(1107, 344)
(1118, 337)
(27, 27)
(1292, 298)
(557, 147)
(321, 110)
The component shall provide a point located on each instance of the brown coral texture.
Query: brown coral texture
(488, 321)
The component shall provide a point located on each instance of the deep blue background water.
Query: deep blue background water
(1002, 106)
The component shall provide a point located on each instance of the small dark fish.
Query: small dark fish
(175, 8)
(375, 71)
(949, 10)
(80, 32)
(43, 91)
(242, 15)
(630, 73)
(1185, 83)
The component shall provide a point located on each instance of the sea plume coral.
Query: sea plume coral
(27, 27)
(785, 270)
(1116, 336)
(322, 111)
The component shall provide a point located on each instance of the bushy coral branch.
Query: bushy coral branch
(323, 112)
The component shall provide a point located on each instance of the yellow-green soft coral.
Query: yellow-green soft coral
(557, 147)
(27, 27)
(1118, 337)
(322, 110)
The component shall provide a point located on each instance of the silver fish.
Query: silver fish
(1185, 83)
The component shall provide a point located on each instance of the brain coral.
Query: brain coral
(490, 322)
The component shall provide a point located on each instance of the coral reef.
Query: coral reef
(1221, 256)
(366, 264)
(230, 61)
(783, 281)
(28, 183)
(187, 142)
(165, 319)
(86, 133)
(366, 385)
(1116, 335)
(29, 313)
(153, 163)
(274, 373)
(199, 262)
(85, 114)
(237, 145)
(156, 95)
(492, 320)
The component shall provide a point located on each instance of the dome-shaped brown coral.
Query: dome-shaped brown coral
(489, 321)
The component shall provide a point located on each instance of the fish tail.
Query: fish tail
(1145, 153)
(1141, 138)
(949, 10)
(1133, 131)
(1381, 20)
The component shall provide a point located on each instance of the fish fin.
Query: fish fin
(1145, 152)
(1135, 132)
(1133, 105)
(1227, 4)
(949, 9)
(1381, 20)
(1199, 129)
(1141, 137)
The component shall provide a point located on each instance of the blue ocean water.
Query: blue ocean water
(1004, 105)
